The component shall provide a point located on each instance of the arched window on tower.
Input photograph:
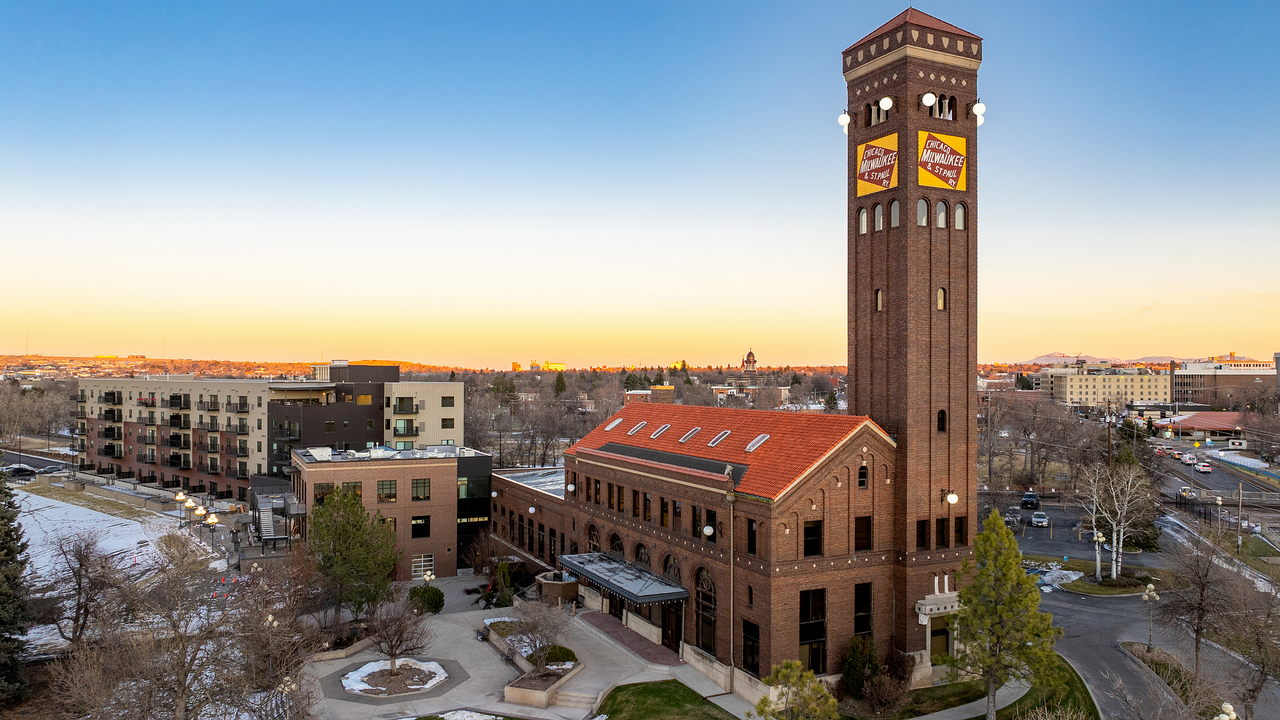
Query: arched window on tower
(942, 298)
(879, 300)
(893, 214)
(959, 216)
(867, 116)
(942, 421)
(922, 213)
(878, 217)
(942, 214)
(862, 221)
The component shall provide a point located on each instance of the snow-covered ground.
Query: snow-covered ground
(353, 681)
(44, 520)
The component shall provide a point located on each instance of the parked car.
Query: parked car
(1039, 519)
(1204, 468)
(49, 469)
(1004, 433)
(1012, 515)
(18, 471)
(1030, 501)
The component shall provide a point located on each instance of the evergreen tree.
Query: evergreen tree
(684, 368)
(795, 379)
(687, 381)
(15, 612)
(353, 550)
(452, 375)
(1000, 634)
(800, 696)
(560, 384)
(660, 379)
(833, 403)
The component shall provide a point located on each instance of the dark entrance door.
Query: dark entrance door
(672, 625)
(615, 605)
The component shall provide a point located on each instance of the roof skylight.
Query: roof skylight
(716, 440)
(612, 425)
(690, 434)
(660, 430)
(751, 446)
(636, 429)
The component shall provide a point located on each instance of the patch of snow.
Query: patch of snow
(1058, 577)
(468, 715)
(218, 565)
(560, 666)
(490, 621)
(354, 680)
(601, 716)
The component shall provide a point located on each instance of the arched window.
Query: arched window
(893, 214)
(862, 221)
(959, 224)
(878, 216)
(593, 539)
(922, 213)
(615, 544)
(942, 298)
(867, 115)
(942, 214)
(671, 568)
(942, 421)
(862, 476)
(642, 555)
(706, 609)
(879, 300)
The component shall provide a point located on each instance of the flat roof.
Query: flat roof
(547, 480)
(431, 452)
(634, 583)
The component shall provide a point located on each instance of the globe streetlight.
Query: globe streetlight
(1150, 598)
(1228, 712)
(1098, 539)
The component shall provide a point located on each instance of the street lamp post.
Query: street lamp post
(1150, 598)
(1228, 712)
(1218, 502)
(1098, 539)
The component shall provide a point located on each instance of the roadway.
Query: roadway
(35, 461)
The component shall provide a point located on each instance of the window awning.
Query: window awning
(632, 583)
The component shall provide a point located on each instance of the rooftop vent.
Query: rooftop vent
(636, 429)
(716, 440)
(690, 434)
(660, 430)
(612, 425)
(751, 446)
(322, 454)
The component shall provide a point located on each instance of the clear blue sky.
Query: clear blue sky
(595, 183)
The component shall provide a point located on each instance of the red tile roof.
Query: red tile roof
(797, 441)
(1216, 421)
(915, 17)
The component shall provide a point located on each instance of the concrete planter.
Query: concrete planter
(538, 698)
(500, 644)
(343, 653)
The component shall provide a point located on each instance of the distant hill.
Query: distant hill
(1057, 357)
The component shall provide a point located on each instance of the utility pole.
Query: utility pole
(1109, 451)
(1239, 518)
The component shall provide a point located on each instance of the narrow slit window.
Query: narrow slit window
(878, 217)
(922, 213)
(862, 221)
(942, 298)
(959, 225)
(942, 421)
(716, 440)
(942, 214)
(893, 214)
(879, 300)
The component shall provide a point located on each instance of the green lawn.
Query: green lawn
(1255, 547)
(940, 697)
(669, 699)
(1071, 692)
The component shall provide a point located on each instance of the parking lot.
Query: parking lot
(1064, 536)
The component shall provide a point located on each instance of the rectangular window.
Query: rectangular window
(813, 630)
(390, 521)
(319, 491)
(420, 489)
(520, 542)
(368, 424)
(943, 534)
(386, 491)
(862, 533)
(330, 426)
(542, 539)
(355, 487)
(597, 482)
(610, 496)
(863, 473)
(635, 503)
(751, 536)
(446, 401)
(446, 423)
(242, 493)
(551, 534)
(862, 609)
(620, 496)
(922, 534)
(648, 515)
(962, 532)
(364, 399)
(751, 647)
(663, 519)
(422, 564)
(812, 538)
(675, 515)
(697, 522)
(711, 523)
(420, 526)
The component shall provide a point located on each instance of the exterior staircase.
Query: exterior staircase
(582, 701)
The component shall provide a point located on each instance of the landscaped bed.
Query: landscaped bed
(1133, 580)
(669, 699)
(375, 678)
(923, 701)
(1045, 694)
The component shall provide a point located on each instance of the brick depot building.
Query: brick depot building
(746, 538)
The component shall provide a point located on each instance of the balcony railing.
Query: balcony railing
(111, 434)
(176, 403)
(146, 402)
(147, 439)
(86, 467)
(176, 461)
(238, 407)
(241, 430)
(79, 398)
(279, 457)
(145, 458)
(225, 494)
(111, 416)
(197, 489)
(180, 441)
(209, 469)
(77, 431)
(209, 427)
(207, 406)
(79, 414)
(242, 451)
(170, 483)
(147, 479)
(146, 420)
(235, 473)
(111, 398)
(111, 451)
(124, 474)
(405, 432)
(177, 421)
(405, 409)
(208, 447)
(286, 434)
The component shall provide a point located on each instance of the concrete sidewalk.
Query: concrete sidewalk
(1005, 696)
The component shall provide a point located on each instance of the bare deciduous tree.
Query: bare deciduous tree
(1203, 607)
(86, 587)
(397, 630)
(1255, 636)
(1120, 495)
(542, 625)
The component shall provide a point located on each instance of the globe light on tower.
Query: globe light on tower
(928, 99)
(886, 103)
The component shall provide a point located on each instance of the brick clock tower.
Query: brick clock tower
(913, 115)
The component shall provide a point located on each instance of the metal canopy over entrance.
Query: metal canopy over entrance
(631, 583)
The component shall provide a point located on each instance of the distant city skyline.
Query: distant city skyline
(472, 185)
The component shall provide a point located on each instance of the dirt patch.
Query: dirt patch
(409, 680)
(535, 680)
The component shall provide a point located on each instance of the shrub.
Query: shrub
(859, 665)
(560, 653)
(1124, 581)
(427, 599)
(884, 693)
(900, 665)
